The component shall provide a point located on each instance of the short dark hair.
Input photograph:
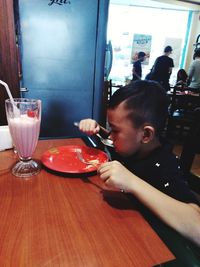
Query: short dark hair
(141, 54)
(181, 75)
(168, 49)
(147, 102)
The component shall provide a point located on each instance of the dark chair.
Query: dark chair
(107, 92)
(181, 115)
(191, 147)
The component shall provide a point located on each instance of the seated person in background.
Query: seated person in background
(147, 169)
(182, 79)
(194, 72)
(137, 66)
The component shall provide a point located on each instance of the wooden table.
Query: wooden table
(57, 220)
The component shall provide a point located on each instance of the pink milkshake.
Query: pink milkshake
(25, 132)
(24, 117)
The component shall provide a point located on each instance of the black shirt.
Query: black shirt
(161, 68)
(138, 69)
(161, 169)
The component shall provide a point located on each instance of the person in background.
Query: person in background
(162, 68)
(194, 72)
(137, 66)
(182, 79)
(146, 168)
(182, 76)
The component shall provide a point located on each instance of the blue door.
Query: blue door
(63, 52)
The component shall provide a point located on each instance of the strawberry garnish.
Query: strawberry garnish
(31, 113)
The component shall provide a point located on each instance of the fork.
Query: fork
(80, 157)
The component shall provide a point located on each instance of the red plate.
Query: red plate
(64, 159)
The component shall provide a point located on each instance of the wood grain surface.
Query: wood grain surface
(56, 220)
(9, 71)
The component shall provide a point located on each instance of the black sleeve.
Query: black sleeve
(174, 183)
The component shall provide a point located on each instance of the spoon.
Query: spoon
(106, 142)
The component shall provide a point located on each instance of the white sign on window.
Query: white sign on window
(141, 43)
(176, 44)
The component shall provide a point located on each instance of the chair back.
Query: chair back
(107, 92)
(181, 114)
(191, 145)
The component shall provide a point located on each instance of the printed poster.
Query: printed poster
(141, 43)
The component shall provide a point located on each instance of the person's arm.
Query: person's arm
(171, 65)
(135, 73)
(170, 70)
(190, 73)
(183, 217)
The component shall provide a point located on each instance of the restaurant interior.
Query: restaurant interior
(184, 40)
(71, 56)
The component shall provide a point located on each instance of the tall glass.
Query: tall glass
(24, 117)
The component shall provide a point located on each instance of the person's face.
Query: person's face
(127, 140)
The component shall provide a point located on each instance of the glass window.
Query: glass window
(165, 26)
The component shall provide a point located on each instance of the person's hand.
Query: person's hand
(116, 176)
(89, 126)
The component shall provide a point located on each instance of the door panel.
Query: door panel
(58, 48)
(8, 55)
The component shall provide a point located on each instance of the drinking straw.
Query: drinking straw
(16, 110)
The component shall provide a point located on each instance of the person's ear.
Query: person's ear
(148, 134)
